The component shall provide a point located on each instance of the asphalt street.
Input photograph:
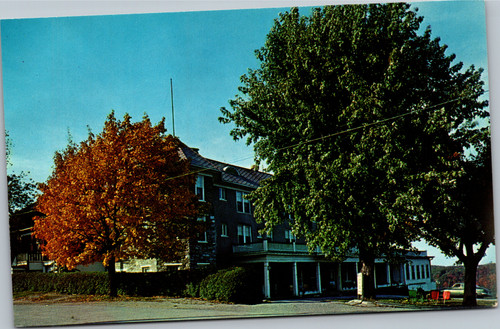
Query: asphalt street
(50, 313)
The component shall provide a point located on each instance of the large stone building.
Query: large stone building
(233, 237)
(287, 266)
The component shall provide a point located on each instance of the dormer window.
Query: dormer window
(231, 170)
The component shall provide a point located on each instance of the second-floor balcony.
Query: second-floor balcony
(30, 257)
(274, 247)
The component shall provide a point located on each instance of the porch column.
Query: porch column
(339, 277)
(404, 274)
(318, 276)
(375, 275)
(267, 283)
(295, 280)
(389, 281)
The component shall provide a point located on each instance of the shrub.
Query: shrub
(192, 290)
(401, 290)
(236, 285)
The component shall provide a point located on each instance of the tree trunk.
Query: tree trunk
(367, 262)
(113, 286)
(470, 298)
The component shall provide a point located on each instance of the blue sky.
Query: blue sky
(64, 74)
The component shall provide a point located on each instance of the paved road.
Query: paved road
(27, 314)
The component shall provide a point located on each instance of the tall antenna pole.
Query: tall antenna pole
(172, 98)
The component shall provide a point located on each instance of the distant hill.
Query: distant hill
(446, 276)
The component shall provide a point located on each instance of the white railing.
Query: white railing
(35, 257)
(266, 246)
(253, 247)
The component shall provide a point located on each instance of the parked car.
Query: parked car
(457, 290)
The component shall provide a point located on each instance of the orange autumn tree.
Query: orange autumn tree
(122, 194)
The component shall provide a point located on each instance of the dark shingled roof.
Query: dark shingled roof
(229, 173)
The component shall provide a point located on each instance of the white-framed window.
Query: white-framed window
(202, 236)
(242, 204)
(244, 234)
(222, 194)
(200, 187)
(224, 230)
(289, 237)
(269, 235)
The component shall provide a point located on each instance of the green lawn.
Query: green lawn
(453, 303)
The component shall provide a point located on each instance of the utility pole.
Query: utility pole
(172, 98)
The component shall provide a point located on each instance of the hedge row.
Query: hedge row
(235, 285)
(169, 283)
(67, 283)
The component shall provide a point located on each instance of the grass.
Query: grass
(452, 303)
(53, 297)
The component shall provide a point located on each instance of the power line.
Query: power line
(346, 131)
(367, 125)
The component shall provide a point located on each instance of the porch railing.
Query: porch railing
(32, 257)
(266, 246)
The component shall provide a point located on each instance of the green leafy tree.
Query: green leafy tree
(21, 192)
(354, 113)
(460, 221)
(21, 189)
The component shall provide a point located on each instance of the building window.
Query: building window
(418, 272)
(200, 187)
(289, 237)
(222, 193)
(202, 236)
(145, 269)
(269, 235)
(428, 271)
(242, 204)
(224, 230)
(244, 234)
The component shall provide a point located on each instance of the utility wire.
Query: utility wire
(346, 131)
(367, 125)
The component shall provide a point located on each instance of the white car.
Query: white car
(457, 290)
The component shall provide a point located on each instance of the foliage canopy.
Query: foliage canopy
(112, 197)
(460, 222)
(355, 113)
(21, 192)
(20, 188)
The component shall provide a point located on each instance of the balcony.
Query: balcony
(31, 257)
(273, 247)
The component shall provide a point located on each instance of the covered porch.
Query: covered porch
(290, 270)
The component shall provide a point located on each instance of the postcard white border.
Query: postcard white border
(408, 320)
